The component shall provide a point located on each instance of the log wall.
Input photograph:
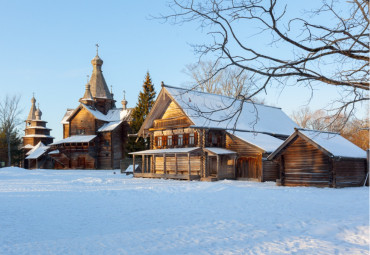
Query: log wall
(105, 151)
(83, 120)
(305, 165)
(65, 131)
(349, 172)
(270, 171)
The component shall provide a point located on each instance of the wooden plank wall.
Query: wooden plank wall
(65, 130)
(242, 148)
(83, 120)
(226, 169)
(350, 172)
(270, 171)
(119, 139)
(105, 151)
(182, 164)
(173, 111)
(305, 165)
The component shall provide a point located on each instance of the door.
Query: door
(212, 166)
(247, 167)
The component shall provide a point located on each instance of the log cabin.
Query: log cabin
(322, 159)
(36, 135)
(94, 133)
(195, 135)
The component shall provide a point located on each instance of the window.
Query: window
(80, 131)
(169, 140)
(214, 139)
(191, 138)
(159, 141)
(180, 140)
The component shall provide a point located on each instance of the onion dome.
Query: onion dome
(38, 113)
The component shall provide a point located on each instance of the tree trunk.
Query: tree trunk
(9, 152)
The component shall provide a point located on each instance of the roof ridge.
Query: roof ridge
(319, 131)
(164, 85)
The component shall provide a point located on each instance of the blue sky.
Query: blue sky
(46, 48)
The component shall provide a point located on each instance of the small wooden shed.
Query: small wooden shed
(317, 158)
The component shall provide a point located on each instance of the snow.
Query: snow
(76, 139)
(130, 168)
(109, 126)
(38, 152)
(163, 151)
(219, 151)
(334, 143)
(27, 146)
(54, 152)
(267, 143)
(36, 135)
(66, 116)
(40, 144)
(200, 108)
(98, 212)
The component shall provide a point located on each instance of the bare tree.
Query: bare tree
(229, 82)
(355, 130)
(328, 46)
(9, 119)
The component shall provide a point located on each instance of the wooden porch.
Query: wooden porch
(168, 176)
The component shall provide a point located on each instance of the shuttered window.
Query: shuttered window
(180, 140)
(169, 140)
(191, 138)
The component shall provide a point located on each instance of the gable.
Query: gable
(165, 107)
(173, 111)
(82, 120)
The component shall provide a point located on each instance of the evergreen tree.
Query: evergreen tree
(15, 144)
(140, 112)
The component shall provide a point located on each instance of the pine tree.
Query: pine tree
(140, 112)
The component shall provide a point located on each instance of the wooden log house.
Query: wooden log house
(185, 144)
(95, 133)
(317, 158)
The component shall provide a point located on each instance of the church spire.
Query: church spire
(124, 102)
(98, 86)
(31, 115)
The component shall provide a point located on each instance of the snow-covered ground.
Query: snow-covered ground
(99, 212)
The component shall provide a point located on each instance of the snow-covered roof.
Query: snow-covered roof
(40, 144)
(36, 135)
(27, 146)
(267, 143)
(332, 144)
(54, 152)
(38, 127)
(76, 139)
(200, 108)
(166, 151)
(117, 114)
(37, 151)
(66, 116)
(219, 151)
(109, 126)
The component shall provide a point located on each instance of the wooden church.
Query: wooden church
(36, 138)
(95, 133)
(193, 136)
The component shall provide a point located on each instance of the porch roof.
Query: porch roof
(76, 139)
(166, 151)
(219, 151)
